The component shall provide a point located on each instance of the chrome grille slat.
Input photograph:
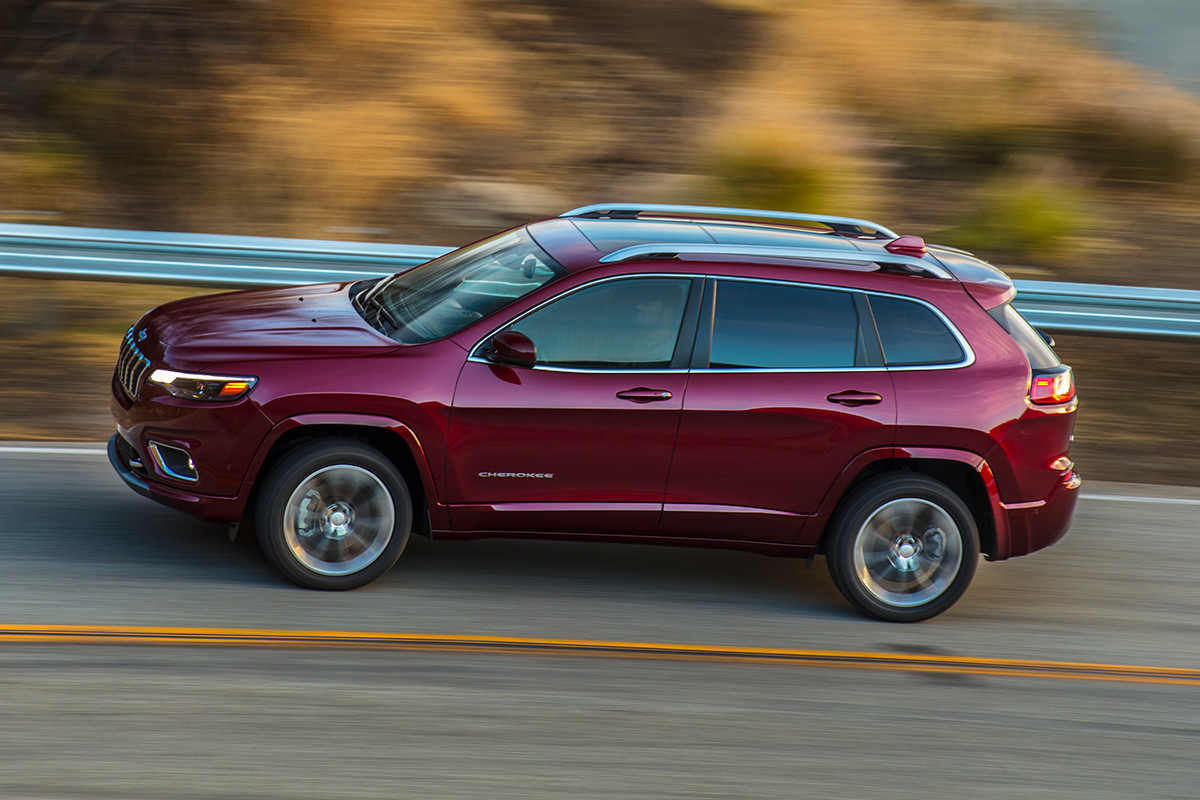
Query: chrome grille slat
(131, 365)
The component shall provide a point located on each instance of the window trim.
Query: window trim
(968, 354)
(703, 349)
(701, 344)
(684, 344)
(704, 352)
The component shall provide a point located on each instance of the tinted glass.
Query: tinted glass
(447, 294)
(775, 326)
(623, 324)
(912, 334)
(1039, 353)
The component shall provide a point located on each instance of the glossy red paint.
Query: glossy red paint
(356, 424)
(1001, 527)
(765, 446)
(1041, 523)
(263, 324)
(907, 246)
(219, 436)
(756, 459)
(602, 459)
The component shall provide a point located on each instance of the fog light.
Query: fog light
(174, 462)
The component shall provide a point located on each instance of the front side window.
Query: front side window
(447, 294)
(631, 323)
(776, 326)
(912, 334)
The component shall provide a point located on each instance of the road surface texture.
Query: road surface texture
(215, 716)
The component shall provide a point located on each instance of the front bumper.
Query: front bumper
(132, 479)
(209, 507)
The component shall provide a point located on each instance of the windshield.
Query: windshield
(449, 293)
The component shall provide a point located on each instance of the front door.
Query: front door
(581, 441)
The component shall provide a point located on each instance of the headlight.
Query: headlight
(203, 387)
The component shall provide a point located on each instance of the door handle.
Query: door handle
(644, 395)
(852, 397)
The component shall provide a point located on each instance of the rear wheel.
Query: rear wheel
(903, 548)
(334, 514)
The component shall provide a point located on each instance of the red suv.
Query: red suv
(785, 383)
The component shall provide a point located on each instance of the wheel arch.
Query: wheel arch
(396, 441)
(967, 474)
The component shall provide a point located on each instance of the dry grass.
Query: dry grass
(881, 96)
(951, 65)
(360, 113)
(46, 174)
(58, 344)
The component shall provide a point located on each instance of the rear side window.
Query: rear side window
(1036, 350)
(775, 326)
(912, 334)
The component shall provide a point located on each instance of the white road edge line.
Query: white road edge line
(1118, 498)
(55, 451)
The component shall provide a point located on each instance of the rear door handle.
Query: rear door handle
(855, 398)
(644, 395)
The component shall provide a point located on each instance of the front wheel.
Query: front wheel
(334, 514)
(903, 548)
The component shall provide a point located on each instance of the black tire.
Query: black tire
(333, 514)
(902, 547)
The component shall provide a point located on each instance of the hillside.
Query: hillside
(437, 124)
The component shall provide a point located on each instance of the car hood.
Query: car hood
(295, 322)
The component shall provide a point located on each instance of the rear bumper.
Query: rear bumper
(209, 507)
(1034, 526)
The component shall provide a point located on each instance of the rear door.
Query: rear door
(787, 387)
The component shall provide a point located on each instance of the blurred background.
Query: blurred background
(1060, 139)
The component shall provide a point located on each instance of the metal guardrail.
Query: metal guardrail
(1112, 310)
(193, 259)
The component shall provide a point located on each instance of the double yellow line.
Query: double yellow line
(364, 640)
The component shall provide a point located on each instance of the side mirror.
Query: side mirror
(511, 347)
(1047, 338)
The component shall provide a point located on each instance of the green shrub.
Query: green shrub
(1034, 217)
(1127, 148)
(789, 172)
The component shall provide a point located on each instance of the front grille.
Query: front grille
(131, 365)
(129, 457)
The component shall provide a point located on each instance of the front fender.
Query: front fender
(410, 438)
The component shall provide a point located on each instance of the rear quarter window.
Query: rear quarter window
(912, 334)
(1036, 350)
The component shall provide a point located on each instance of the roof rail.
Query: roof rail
(632, 210)
(912, 265)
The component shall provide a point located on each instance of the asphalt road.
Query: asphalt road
(148, 721)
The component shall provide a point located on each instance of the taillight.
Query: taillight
(1056, 386)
